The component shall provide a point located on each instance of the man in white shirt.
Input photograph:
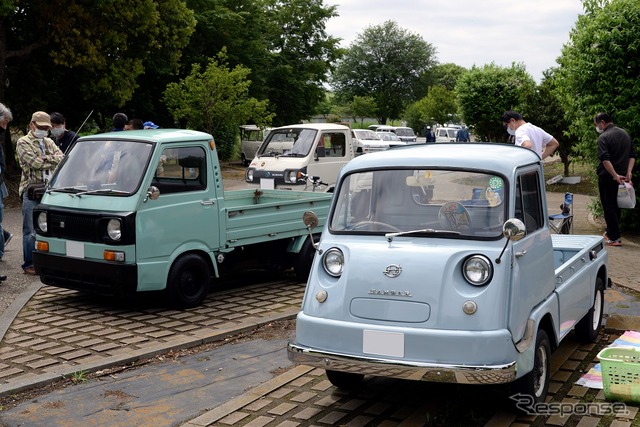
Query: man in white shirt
(528, 135)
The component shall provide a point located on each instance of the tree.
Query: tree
(446, 75)
(216, 101)
(439, 106)
(599, 70)
(93, 53)
(485, 93)
(302, 55)
(363, 106)
(385, 62)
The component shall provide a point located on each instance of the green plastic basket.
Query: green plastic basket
(620, 373)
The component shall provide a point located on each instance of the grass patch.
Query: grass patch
(587, 186)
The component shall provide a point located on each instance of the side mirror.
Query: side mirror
(514, 229)
(320, 151)
(152, 193)
(310, 220)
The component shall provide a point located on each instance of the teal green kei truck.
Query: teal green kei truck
(145, 210)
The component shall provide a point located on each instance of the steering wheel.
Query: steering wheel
(374, 226)
(454, 216)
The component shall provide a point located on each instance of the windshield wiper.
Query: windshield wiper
(293, 155)
(270, 154)
(101, 191)
(390, 236)
(62, 189)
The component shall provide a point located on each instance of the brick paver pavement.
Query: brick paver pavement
(59, 332)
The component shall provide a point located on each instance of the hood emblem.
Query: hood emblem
(392, 271)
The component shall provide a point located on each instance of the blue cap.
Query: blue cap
(150, 125)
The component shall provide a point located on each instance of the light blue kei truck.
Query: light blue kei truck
(140, 211)
(437, 263)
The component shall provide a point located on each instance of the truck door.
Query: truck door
(184, 217)
(532, 268)
(332, 153)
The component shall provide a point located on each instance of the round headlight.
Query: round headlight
(114, 229)
(333, 262)
(42, 222)
(477, 269)
(292, 176)
(249, 175)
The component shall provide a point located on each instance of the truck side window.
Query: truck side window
(335, 145)
(528, 205)
(180, 170)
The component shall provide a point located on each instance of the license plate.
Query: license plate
(75, 249)
(267, 183)
(383, 343)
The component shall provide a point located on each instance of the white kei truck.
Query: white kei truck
(437, 263)
(290, 155)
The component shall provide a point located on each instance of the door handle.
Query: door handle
(521, 254)
(208, 202)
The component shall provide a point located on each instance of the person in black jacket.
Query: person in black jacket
(63, 137)
(617, 155)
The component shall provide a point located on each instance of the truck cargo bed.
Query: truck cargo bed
(254, 216)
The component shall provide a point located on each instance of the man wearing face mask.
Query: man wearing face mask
(63, 137)
(38, 157)
(528, 135)
(617, 156)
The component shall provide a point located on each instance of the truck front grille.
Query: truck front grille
(74, 227)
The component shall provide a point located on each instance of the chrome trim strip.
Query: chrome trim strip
(420, 371)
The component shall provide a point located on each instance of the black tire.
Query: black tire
(588, 327)
(345, 380)
(245, 162)
(188, 281)
(536, 383)
(304, 259)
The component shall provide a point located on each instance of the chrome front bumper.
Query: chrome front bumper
(443, 373)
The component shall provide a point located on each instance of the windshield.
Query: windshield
(405, 132)
(109, 167)
(436, 202)
(288, 142)
(366, 135)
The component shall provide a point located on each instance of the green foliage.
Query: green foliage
(79, 377)
(446, 75)
(385, 62)
(485, 93)
(302, 55)
(74, 56)
(216, 101)
(362, 107)
(439, 106)
(599, 70)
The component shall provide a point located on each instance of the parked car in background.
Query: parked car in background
(393, 139)
(446, 134)
(382, 128)
(406, 134)
(251, 136)
(367, 141)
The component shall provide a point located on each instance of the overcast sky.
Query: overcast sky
(468, 32)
